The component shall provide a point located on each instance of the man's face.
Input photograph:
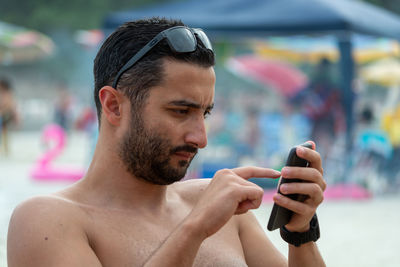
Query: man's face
(164, 136)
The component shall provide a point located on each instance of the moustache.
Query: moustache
(185, 148)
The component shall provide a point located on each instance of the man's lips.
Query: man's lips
(184, 152)
(184, 155)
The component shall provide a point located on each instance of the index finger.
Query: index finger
(256, 172)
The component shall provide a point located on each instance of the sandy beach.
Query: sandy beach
(353, 233)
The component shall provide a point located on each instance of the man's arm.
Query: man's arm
(228, 193)
(260, 252)
(258, 249)
(305, 255)
(42, 232)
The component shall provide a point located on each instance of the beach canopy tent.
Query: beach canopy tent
(261, 18)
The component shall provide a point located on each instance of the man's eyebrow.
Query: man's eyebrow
(185, 103)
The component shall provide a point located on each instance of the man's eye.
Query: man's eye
(181, 111)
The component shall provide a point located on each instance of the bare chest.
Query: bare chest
(128, 241)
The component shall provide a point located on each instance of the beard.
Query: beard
(147, 154)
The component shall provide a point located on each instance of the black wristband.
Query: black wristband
(297, 239)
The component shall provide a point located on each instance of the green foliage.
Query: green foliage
(46, 16)
(391, 5)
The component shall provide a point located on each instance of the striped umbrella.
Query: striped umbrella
(281, 76)
(20, 45)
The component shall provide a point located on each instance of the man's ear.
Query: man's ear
(111, 103)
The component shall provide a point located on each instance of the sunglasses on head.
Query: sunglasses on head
(180, 39)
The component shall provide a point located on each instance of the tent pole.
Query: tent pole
(347, 75)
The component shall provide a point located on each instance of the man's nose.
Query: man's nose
(197, 135)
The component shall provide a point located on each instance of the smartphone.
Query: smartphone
(281, 216)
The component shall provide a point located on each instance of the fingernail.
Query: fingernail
(312, 144)
(283, 188)
(277, 197)
(300, 149)
(285, 171)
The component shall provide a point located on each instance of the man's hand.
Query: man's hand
(229, 193)
(313, 187)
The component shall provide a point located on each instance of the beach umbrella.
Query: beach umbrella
(385, 72)
(313, 49)
(20, 45)
(282, 76)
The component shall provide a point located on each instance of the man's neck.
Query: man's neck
(110, 184)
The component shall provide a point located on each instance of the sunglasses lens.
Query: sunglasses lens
(203, 38)
(181, 40)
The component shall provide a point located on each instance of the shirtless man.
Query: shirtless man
(130, 209)
(8, 113)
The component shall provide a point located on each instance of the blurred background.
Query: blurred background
(287, 71)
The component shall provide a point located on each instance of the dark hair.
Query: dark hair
(127, 40)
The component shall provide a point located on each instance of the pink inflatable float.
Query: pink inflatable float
(54, 136)
(334, 192)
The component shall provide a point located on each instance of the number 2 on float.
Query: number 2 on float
(54, 137)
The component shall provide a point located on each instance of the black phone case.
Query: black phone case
(281, 216)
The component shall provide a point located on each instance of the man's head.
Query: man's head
(153, 151)
(125, 42)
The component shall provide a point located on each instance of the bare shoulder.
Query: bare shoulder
(191, 190)
(42, 208)
(40, 217)
(46, 228)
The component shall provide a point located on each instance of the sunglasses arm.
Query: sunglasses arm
(138, 56)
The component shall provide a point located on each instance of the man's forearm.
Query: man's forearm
(179, 249)
(305, 255)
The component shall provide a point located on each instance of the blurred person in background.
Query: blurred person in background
(87, 122)
(8, 113)
(154, 86)
(372, 150)
(62, 115)
(322, 105)
(248, 139)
